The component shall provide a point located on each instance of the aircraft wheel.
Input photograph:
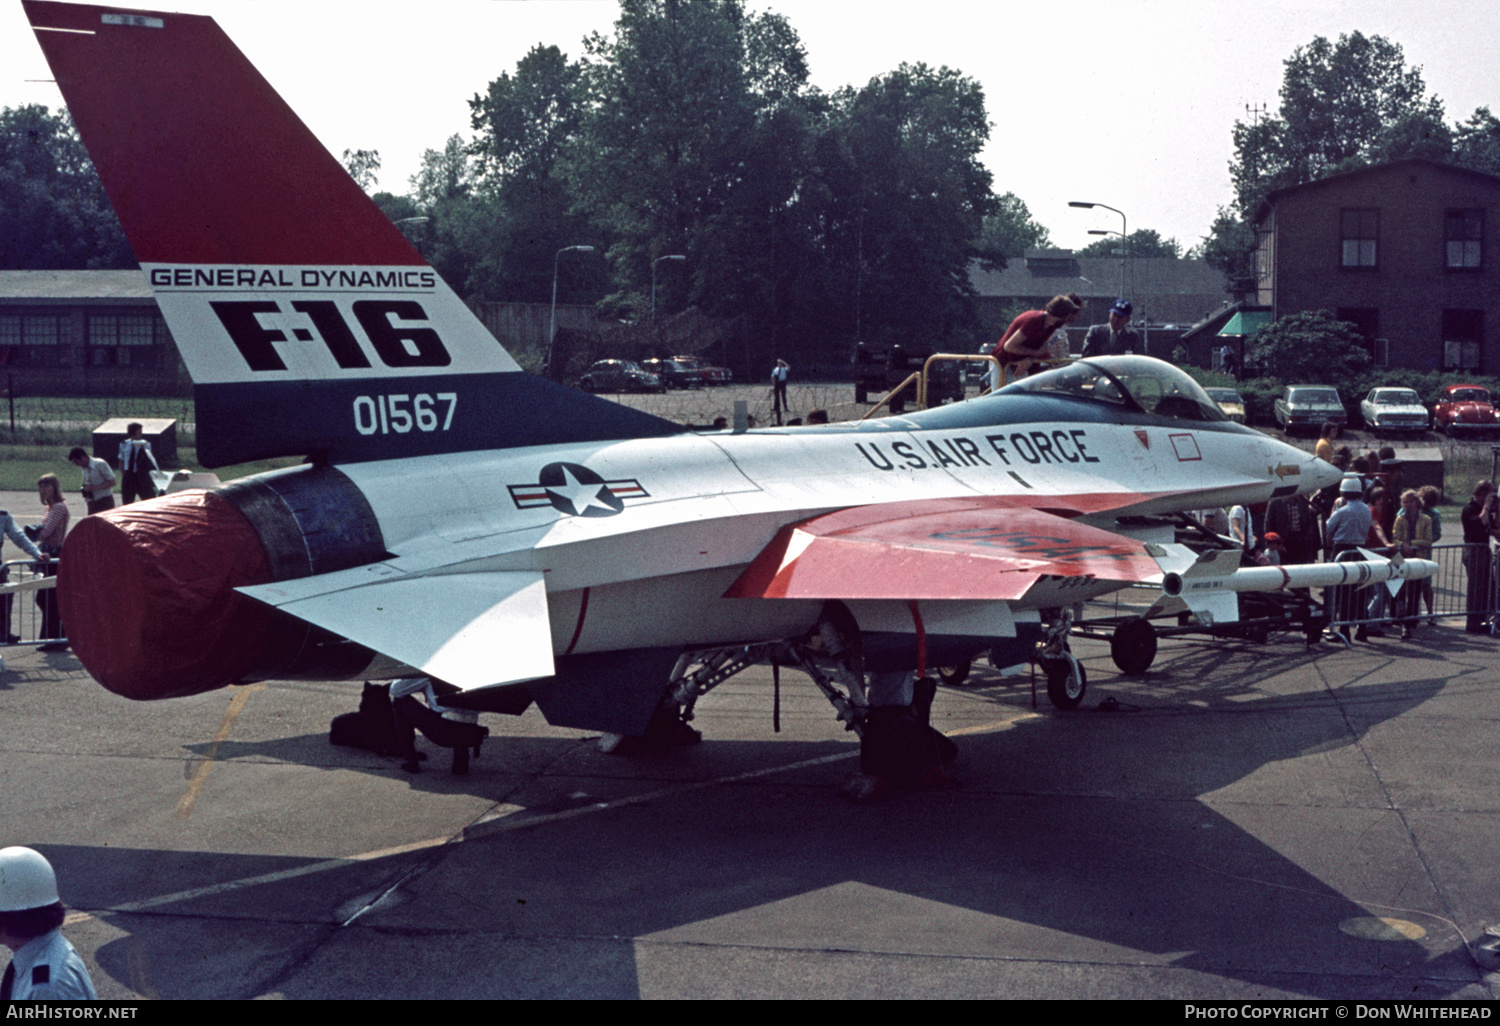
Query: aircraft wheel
(1065, 694)
(955, 675)
(860, 394)
(1133, 645)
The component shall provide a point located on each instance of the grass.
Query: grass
(21, 465)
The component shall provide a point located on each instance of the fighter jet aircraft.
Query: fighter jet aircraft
(516, 540)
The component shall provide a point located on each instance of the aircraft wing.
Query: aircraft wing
(446, 625)
(986, 547)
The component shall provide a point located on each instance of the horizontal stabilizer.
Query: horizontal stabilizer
(973, 548)
(471, 630)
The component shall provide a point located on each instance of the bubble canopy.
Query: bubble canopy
(1131, 382)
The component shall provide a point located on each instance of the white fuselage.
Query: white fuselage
(694, 510)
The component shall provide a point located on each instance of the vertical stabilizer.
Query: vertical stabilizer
(308, 322)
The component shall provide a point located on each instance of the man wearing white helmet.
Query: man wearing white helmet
(1348, 529)
(44, 966)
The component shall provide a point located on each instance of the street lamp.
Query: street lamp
(1124, 253)
(674, 256)
(1124, 233)
(552, 326)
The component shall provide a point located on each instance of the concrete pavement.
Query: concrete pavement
(1252, 822)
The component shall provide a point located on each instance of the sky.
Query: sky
(1129, 103)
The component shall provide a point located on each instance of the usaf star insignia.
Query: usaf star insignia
(576, 491)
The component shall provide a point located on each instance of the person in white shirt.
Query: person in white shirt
(98, 480)
(136, 464)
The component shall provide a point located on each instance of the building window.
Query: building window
(1360, 230)
(32, 340)
(1366, 321)
(1463, 234)
(1463, 337)
(126, 340)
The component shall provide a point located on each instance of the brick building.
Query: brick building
(1399, 251)
(85, 333)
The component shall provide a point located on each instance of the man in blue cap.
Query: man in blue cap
(1115, 338)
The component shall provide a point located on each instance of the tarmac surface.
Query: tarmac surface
(1253, 822)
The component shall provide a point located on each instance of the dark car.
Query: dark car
(619, 376)
(1309, 407)
(709, 374)
(878, 369)
(1464, 410)
(674, 373)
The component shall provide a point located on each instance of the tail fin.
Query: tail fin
(308, 322)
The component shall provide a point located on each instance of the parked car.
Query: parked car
(878, 369)
(1230, 401)
(619, 376)
(1393, 409)
(674, 373)
(1464, 410)
(710, 374)
(1309, 406)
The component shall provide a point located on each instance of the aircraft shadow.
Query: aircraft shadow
(1085, 838)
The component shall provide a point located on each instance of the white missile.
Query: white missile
(1207, 584)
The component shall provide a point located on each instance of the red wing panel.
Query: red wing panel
(943, 549)
(203, 161)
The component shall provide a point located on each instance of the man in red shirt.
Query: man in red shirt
(1024, 343)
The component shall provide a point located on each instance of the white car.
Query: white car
(1393, 409)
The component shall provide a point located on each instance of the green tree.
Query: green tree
(525, 124)
(673, 102)
(443, 192)
(54, 214)
(524, 121)
(363, 166)
(1310, 346)
(1008, 231)
(1228, 246)
(1344, 105)
(908, 197)
(1144, 242)
(1476, 142)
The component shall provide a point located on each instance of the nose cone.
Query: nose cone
(146, 593)
(1318, 474)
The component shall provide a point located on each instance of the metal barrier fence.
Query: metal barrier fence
(28, 605)
(1466, 585)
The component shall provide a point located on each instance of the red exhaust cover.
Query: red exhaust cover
(146, 595)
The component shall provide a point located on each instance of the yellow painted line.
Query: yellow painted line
(1382, 928)
(990, 728)
(236, 704)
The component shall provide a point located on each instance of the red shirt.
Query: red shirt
(1033, 323)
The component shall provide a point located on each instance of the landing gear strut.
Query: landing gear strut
(1066, 679)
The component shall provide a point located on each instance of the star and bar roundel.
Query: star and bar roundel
(576, 491)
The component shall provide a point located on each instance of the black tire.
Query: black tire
(861, 394)
(1133, 645)
(955, 675)
(1057, 684)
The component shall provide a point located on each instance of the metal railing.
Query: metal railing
(1466, 588)
(1466, 585)
(28, 605)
